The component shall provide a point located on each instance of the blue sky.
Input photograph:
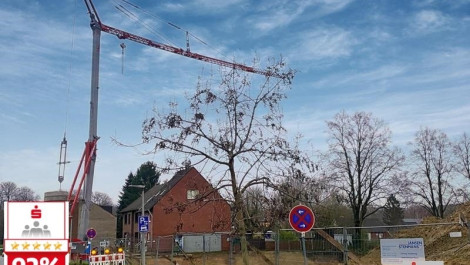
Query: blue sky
(407, 62)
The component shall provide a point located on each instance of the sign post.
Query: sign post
(302, 219)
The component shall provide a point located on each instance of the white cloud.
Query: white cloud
(281, 13)
(127, 100)
(204, 6)
(272, 21)
(327, 7)
(217, 4)
(322, 43)
(380, 35)
(6, 119)
(173, 7)
(428, 21)
(431, 92)
(364, 78)
(422, 3)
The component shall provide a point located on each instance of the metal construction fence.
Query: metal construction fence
(337, 245)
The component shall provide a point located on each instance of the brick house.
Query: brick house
(186, 204)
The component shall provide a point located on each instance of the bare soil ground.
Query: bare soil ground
(438, 245)
(288, 258)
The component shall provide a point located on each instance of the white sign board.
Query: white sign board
(455, 234)
(396, 251)
(423, 263)
(37, 220)
(36, 233)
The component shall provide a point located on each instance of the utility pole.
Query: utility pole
(143, 234)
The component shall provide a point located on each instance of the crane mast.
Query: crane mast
(89, 155)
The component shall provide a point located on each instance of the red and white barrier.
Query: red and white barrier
(109, 259)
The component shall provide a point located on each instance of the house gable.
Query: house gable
(187, 203)
(191, 206)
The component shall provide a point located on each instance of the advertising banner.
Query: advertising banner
(36, 233)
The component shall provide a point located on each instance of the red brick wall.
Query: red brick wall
(130, 227)
(174, 213)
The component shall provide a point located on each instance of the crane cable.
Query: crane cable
(63, 145)
(135, 18)
(72, 46)
(174, 26)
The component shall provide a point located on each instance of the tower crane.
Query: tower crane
(89, 155)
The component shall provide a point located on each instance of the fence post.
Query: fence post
(204, 249)
(345, 245)
(230, 255)
(276, 247)
(158, 245)
(172, 247)
(304, 251)
(468, 232)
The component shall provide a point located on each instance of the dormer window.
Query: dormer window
(192, 194)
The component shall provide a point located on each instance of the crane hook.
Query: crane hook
(123, 46)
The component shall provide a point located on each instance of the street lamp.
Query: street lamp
(142, 234)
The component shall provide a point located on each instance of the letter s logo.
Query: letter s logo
(36, 213)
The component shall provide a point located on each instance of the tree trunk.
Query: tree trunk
(240, 216)
(357, 231)
(242, 230)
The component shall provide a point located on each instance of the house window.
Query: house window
(136, 219)
(192, 194)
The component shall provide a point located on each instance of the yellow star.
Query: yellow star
(25, 245)
(57, 246)
(47, 246)
(14, 246)
(36, 246)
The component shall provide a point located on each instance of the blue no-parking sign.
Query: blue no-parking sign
(301, 218)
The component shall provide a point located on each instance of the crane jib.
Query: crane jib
(126, 35)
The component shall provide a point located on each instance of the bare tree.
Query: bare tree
(9, 191)
(462, 154)
(432, 161)
(232, 126)
(25, 194)
(361, 161)
(255, 208)
(101, 198)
